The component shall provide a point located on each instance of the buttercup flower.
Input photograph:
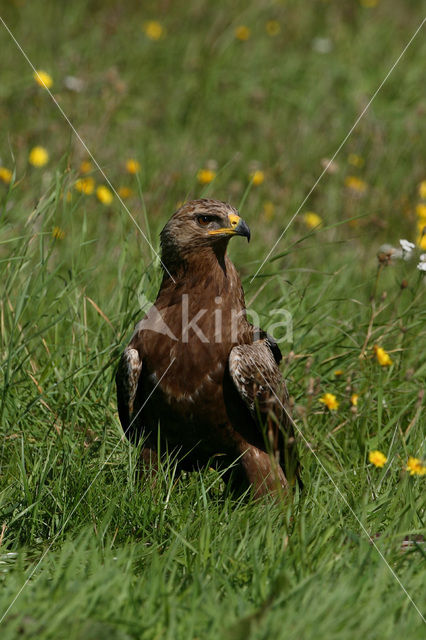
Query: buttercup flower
(154, 30)
(257, 177)
(132, 166)
(382, 356)
(377, 458)
(273, 28)
(5, 175)
(356, 184)
(205, 176)
(242, 33)
(104, 195)
(38, 157)
(355, 160)
(415, 467)
(58, 233)
(86, 166)
(85, 185)
(268, 210)
(421, 210)
(312, 219)
(124, 192)
(330, 401)
(43, 79)
(354, 399)
(338, 372)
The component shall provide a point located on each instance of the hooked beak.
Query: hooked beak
(237, 227)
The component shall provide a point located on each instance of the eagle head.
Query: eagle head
(199, 224)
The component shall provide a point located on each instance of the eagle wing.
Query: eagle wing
(259, 383)
(127, 380)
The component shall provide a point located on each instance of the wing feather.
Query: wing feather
(257, 379)
(127, 379)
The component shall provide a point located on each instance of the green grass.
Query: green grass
(104, 554)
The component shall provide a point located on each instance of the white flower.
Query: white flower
(423, 257)
(421, 266)
(407, 246)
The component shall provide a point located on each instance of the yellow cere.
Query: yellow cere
(104, 195)
(38, 157)
(377, 458)
(330, 401)
(43, 79)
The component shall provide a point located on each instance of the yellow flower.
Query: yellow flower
(382, 356)
(154, 30)
(38, 157)
(369, 4)
(132, 166)
(257, 177)
(421, 211)
(205, 176)
(415, 467)
(242, 32)
(5, 175)
(377, 458)
(86, 166)
(356, 184)
(268, 210)
(355, 160)
(422, 189)
(104, 195)
(85, 185)
(421, 241)
(312, 219)
(354, 399)
(330, 401)
(273, 28)
(58, 233)
(124, 192)
(43, 79)
(338, 372)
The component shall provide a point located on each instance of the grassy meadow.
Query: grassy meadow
(248, 103)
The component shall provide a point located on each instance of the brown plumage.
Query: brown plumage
(196, 375)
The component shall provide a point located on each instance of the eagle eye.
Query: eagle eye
(203, 221)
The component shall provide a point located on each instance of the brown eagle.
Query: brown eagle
(197, 377)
